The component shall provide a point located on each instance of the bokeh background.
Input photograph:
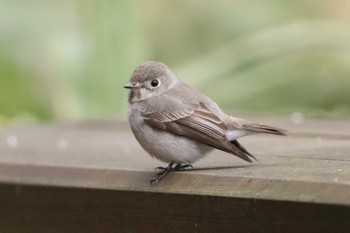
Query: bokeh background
(68, 59)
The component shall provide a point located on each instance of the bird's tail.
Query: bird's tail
(261, 128)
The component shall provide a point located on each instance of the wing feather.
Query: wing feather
(200, 125)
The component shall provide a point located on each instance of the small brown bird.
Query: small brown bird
(177, 124)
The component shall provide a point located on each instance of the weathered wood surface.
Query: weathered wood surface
(303, 179)
(313, 164)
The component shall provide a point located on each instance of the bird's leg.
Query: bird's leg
(163, 171)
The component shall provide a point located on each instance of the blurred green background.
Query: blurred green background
(68, 59)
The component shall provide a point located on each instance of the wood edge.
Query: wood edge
(177, 183)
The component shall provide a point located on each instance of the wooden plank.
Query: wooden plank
(61, 209)
(294, 168)
(92, 176)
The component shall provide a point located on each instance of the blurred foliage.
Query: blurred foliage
(68, 59)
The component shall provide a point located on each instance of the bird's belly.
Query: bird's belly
(169, 147)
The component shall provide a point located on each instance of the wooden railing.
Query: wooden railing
(92, 176)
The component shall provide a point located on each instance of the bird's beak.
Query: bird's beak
(132, 85)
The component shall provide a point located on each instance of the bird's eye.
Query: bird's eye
(155, 83)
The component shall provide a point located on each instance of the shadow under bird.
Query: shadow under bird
(177, 124)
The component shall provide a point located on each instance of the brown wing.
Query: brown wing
(200, 125)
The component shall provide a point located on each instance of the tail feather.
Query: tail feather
(260, 128)
(243, 150)
(251, 128)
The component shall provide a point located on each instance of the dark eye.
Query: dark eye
(155, 83)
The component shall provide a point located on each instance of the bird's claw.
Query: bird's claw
(180, 167)
(163, 171)
(160, 169)
(158, 178)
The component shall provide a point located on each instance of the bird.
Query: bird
(177, 124)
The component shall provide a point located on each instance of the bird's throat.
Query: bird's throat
(134, 95)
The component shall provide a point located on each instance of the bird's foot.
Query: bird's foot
(160, 169)
(181, 167)
(163, 171)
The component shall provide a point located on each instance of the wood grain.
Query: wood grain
(81, 170)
